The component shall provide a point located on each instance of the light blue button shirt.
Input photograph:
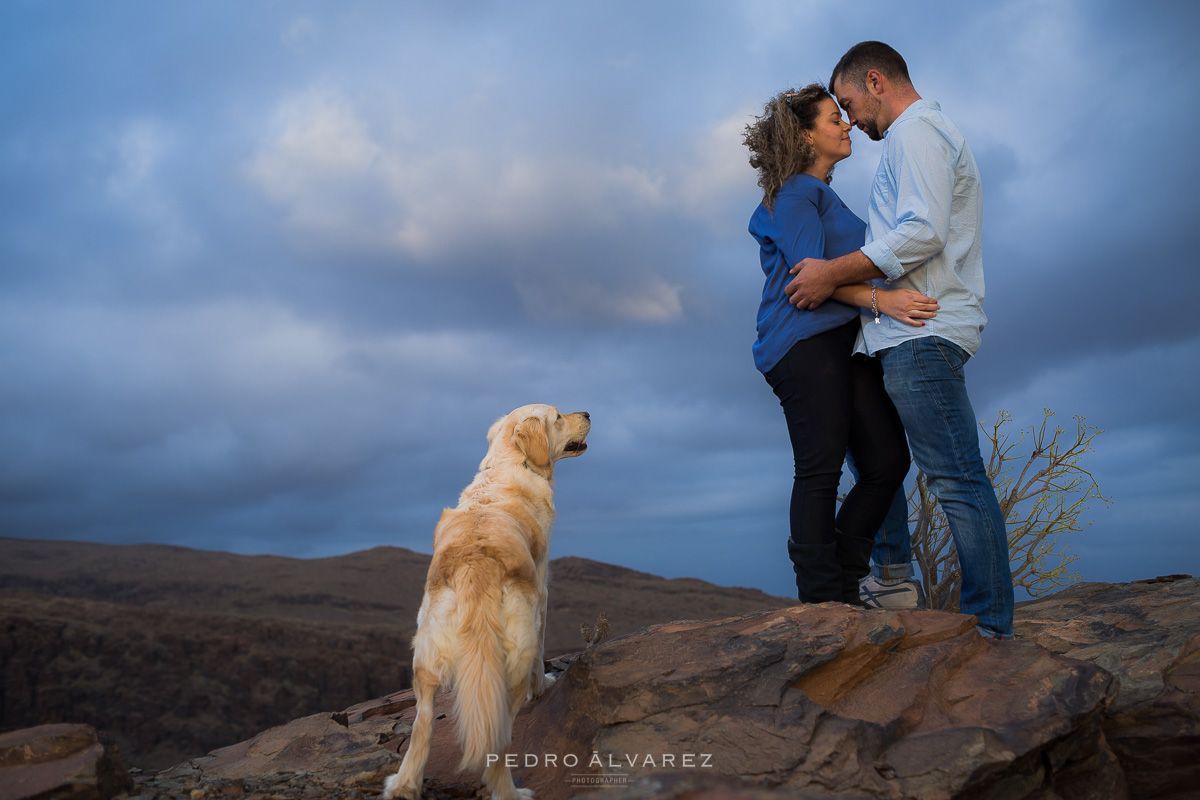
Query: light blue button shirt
(925, 228)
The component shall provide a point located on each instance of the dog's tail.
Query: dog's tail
(492, 676)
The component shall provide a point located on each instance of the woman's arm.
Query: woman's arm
(905, 305)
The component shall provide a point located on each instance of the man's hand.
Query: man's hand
(812, 285)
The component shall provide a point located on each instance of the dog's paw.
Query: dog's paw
(395, 787)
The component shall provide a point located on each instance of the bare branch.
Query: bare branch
(1041, 503)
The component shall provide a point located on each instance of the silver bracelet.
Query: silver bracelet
(874, 305)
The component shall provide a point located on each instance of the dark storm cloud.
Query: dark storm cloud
(269, 272)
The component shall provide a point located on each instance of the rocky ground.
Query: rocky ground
(280, 786)
(1099, 698)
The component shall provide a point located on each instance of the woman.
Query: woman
(833, 400)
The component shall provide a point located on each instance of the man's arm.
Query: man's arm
(924, 191)
(816, 279)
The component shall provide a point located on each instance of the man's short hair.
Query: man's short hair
(866, 56)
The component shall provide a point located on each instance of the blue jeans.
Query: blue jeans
(892, 554)
(925, 379)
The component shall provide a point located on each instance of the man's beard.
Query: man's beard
(870, 126)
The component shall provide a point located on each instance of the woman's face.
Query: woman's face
(830, 136)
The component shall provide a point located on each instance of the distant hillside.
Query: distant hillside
(170, 684)
(177, 651)
(374, 586)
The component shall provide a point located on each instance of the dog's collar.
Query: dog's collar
(541, 472)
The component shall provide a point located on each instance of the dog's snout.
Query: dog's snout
(586, 416)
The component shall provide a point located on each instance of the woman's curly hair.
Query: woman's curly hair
(777, 149)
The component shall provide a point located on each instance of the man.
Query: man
(925, 227)
(890, 583)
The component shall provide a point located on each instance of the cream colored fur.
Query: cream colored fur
(482, 621)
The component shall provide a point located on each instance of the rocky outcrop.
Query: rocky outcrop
(830, 700)
(64, 762)
(1098, 699)
(822, 701)
(1147, 634)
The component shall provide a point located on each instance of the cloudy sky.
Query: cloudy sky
(268, 270)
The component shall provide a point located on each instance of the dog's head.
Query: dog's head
(539, 435)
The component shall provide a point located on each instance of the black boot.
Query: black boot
(854, 559)
(818, 573)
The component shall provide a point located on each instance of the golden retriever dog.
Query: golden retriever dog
(482, 622)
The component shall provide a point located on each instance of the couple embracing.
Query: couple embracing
(865, 328)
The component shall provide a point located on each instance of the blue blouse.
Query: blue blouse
(809, 221)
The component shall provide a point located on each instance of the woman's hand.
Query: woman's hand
(906, 305)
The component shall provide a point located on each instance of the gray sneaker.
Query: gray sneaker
(898, 593)
(991, 635)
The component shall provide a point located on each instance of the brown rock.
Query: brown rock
(319, 745)
(59, 761)
(684, 786)
(814, 701)
(809, 702)
(828, 700)
(1147, 634)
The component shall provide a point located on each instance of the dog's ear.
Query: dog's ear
(532, 438)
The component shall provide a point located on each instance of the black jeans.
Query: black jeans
(835, 401)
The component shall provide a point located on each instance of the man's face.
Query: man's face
(863, 109)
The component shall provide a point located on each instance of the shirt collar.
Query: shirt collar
(914, 110)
